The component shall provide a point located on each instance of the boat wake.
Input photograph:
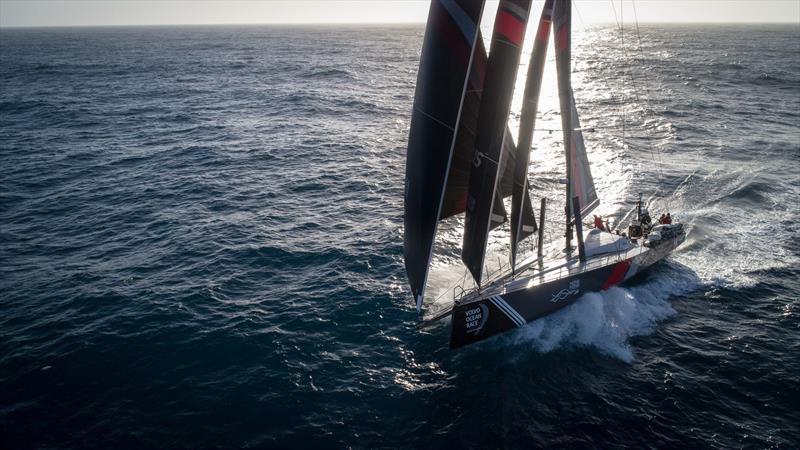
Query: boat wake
(607, 320)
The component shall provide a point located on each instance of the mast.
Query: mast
(530, 102)
(562, 19)
(447, 54)
(501, 70)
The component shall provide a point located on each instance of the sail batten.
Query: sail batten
(447, 55)
(488, 161)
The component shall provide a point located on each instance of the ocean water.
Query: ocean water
(201, 247)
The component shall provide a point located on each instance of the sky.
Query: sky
(26, 13)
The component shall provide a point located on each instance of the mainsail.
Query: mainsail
(581, 182)
(579, 177)
(447, 54)
(523, 222)
(501, 70)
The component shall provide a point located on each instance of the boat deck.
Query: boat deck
(537, 271)
(534, 271)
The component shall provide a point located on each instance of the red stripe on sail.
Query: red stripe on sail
(544, 30)
(562, 38)
(618, 274)
(510, 27)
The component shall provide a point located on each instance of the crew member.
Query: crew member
(668, 219)
(645, 220)
(598, 223)
(662, 219)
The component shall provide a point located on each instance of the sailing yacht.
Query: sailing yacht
(461, 160)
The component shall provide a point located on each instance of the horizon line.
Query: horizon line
(409, 23)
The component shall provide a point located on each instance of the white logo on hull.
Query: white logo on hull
(476, 318)
(574, 288)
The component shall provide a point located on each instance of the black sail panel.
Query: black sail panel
(506, 182)
(523, 222)
(499, 215)
(501, 70)
(527, 225)
(447, 52)
(455, 197)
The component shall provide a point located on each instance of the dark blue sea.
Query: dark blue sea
(201, 246)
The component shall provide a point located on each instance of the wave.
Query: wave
(607, 320)
(327, 73)
(765, 79)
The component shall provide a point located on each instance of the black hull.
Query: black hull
(478, 317)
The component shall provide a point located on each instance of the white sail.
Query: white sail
(581, 182)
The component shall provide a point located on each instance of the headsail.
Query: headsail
(581, 182)
(455, 196)
(447, 53)
(523, 222)
(501, 70)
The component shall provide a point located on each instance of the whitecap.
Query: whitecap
(607, 320)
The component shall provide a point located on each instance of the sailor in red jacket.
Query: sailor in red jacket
(598, 223)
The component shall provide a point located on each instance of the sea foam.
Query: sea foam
(607, 320)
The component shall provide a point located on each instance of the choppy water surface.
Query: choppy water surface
(202, 247)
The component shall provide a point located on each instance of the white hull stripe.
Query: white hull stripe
(508, 310)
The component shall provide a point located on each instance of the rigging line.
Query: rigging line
(618, 100)
(620, 28)
(635, 84)
(624, 58)
(646, 103)
(641, 58)
(647, 91)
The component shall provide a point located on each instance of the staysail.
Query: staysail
(501, 70)
(522, 224)
(447, 54)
